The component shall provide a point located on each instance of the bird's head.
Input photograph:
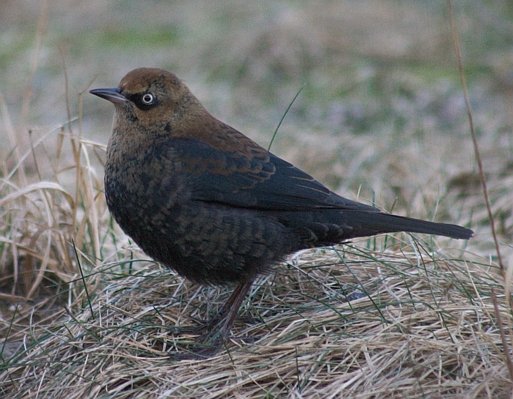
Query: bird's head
(150, 98)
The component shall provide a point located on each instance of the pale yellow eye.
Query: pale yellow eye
(148, 99)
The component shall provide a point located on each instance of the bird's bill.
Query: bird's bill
(113, 95)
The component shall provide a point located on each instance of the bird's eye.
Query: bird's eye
(148, 99)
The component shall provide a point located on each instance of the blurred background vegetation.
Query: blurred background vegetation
(380, 116)
(381, 111)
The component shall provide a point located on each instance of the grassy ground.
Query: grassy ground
(380, 118)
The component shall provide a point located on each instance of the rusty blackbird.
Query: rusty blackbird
(207, 201)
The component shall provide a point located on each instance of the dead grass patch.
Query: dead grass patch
(342, 322)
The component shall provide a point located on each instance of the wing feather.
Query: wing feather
(254, 179)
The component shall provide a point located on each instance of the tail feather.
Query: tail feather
(370, 223)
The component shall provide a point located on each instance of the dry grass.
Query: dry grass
(357, 323)
(84, 314)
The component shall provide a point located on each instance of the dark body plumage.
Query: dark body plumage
(202, 198)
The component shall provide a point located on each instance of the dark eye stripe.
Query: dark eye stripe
(137, 99)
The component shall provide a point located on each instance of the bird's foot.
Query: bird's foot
(197, 329)
(211, 340)
(196, 351)
(201, 328)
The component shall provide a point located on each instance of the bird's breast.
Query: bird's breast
(144, 186)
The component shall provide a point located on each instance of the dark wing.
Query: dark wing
(252, 178)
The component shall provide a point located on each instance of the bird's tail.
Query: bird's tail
(370, 223)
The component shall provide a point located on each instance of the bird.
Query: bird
(205, 200)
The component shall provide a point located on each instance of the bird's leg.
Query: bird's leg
(223, 322)
(219, 327)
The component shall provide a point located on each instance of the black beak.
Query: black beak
(113, 95)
